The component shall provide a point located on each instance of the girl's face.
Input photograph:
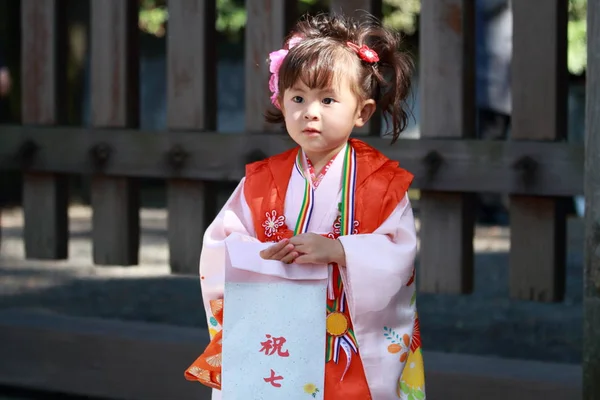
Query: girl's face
(321, 120)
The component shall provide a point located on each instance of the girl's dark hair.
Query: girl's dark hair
(323, 51)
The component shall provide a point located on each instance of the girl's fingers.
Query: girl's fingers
(302, 248)
(290, 257)
(270, 251)
(283, 252)
(303, 259)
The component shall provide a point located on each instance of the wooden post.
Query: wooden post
(357, 9)
(448, 102)
(192, 104)
(539, 112)
(591, 294)
(114, 103)
(267, 24)
(45, 196)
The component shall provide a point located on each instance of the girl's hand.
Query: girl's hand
(316, 249)
(282, 251)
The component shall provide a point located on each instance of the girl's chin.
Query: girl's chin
(310, 134)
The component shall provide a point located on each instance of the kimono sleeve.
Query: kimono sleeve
(379, 264)
(233, 219)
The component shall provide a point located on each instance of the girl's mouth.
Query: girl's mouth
(311, 131)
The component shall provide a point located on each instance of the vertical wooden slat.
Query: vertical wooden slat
(539, 112)
(115, 103)
(357, 9)
(45, 196)
(267, 25)
(192, 91)
(447, 96)
(591, 294)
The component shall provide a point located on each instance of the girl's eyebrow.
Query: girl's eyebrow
(329, 91)
(297, 89)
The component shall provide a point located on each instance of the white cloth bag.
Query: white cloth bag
(273, 328)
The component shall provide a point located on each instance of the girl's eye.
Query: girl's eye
(297, 99)
(328, 100)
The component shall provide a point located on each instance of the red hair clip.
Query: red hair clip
(364, 52)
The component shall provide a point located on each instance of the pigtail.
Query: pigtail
(390, 78)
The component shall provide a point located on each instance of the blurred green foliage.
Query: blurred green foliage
(577, 36)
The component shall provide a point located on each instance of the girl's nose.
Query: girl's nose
(311, 113)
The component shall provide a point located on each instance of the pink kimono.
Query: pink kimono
(377, 282)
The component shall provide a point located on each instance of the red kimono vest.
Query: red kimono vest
(380, 186)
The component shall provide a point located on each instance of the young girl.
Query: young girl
(332, 201)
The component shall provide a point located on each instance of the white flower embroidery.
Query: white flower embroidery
(272, 223)
(337, 225)
(355, 230)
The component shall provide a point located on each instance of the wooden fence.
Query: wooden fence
(536, 166)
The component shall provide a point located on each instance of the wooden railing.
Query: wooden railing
(536, 167)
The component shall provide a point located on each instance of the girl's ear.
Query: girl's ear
(365, 113)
